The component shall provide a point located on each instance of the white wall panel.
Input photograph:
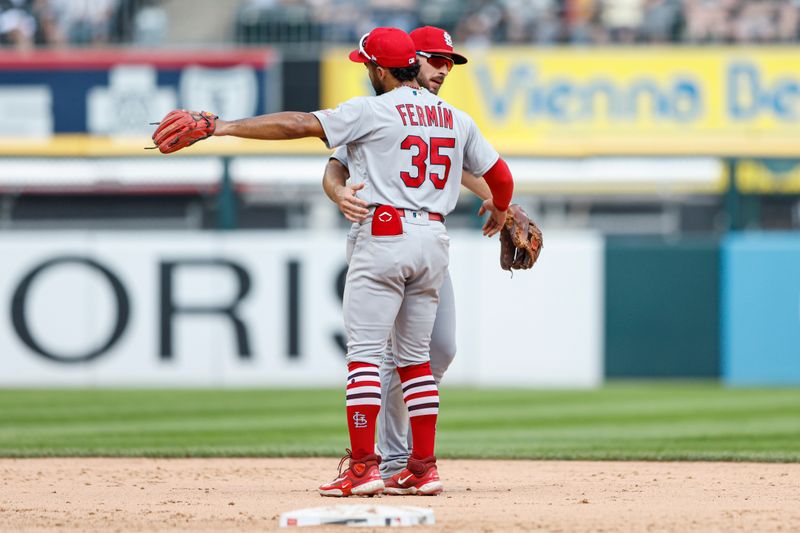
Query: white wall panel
(540, 328)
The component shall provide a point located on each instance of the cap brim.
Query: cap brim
(458, 59)
(357, 57)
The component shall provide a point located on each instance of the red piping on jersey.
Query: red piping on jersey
(500, 182)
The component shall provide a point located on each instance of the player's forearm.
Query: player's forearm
(501, 184)
(272, 127)
(335, 177)
(476, 185)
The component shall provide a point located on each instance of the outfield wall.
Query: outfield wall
(704, 308)
(761, 312)
(662, 308)
(264, 309)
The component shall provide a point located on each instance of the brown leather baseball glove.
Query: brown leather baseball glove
(182, 128)
(520, 240)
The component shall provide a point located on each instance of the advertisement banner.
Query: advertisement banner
(120, 92)
(252, 309)
(647, 100)
(768, 176)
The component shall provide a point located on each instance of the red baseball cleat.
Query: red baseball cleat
(420, 477)
(362, 478)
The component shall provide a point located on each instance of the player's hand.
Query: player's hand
(496, 218)
(352, 207)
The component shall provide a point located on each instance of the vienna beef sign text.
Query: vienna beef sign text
(714, 101)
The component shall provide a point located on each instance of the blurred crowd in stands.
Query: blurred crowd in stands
(544, 22)
(27, 23)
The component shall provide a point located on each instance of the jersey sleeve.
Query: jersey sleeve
(347, 123)
(479, 155)
(340, 154)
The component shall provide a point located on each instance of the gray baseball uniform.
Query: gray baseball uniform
(394, 438)
(402, 145)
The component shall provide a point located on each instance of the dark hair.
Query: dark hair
(405, 73)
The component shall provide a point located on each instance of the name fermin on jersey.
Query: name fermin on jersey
(429, 115)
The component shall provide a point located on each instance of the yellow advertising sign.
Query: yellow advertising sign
(768, 176)
(648, 100)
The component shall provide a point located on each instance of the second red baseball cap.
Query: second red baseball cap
(387, 47)
(436, 41)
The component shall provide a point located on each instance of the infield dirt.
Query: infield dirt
(106, 494)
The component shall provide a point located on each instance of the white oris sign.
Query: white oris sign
(264, 309)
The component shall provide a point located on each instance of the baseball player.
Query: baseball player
(437, 58)
(402, 144)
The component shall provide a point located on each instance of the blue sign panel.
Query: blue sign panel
(761, 309)
(119, 92)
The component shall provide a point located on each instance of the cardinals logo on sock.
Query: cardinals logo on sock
(359, 420)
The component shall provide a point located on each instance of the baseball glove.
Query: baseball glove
(182, 128)
(520, 240)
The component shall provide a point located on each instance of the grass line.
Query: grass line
(622, 421)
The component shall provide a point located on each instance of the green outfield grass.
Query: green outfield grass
(653, 421)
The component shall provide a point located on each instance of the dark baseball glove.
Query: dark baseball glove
(182, 128)
(520, 240)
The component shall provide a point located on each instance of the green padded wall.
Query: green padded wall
(662, 308)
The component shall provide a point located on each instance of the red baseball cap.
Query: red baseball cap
(436, 41)
(386, 47)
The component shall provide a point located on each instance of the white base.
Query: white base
(359, 516)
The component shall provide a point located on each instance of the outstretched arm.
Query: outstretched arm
(272, 127)
(333, 183)
(181, 128)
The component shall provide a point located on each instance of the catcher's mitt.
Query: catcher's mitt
(181, 128)
(520, 240)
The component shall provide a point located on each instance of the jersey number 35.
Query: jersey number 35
(420, 160)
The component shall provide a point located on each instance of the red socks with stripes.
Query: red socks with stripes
(422, 399)
(420, 394)
(363, 404)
